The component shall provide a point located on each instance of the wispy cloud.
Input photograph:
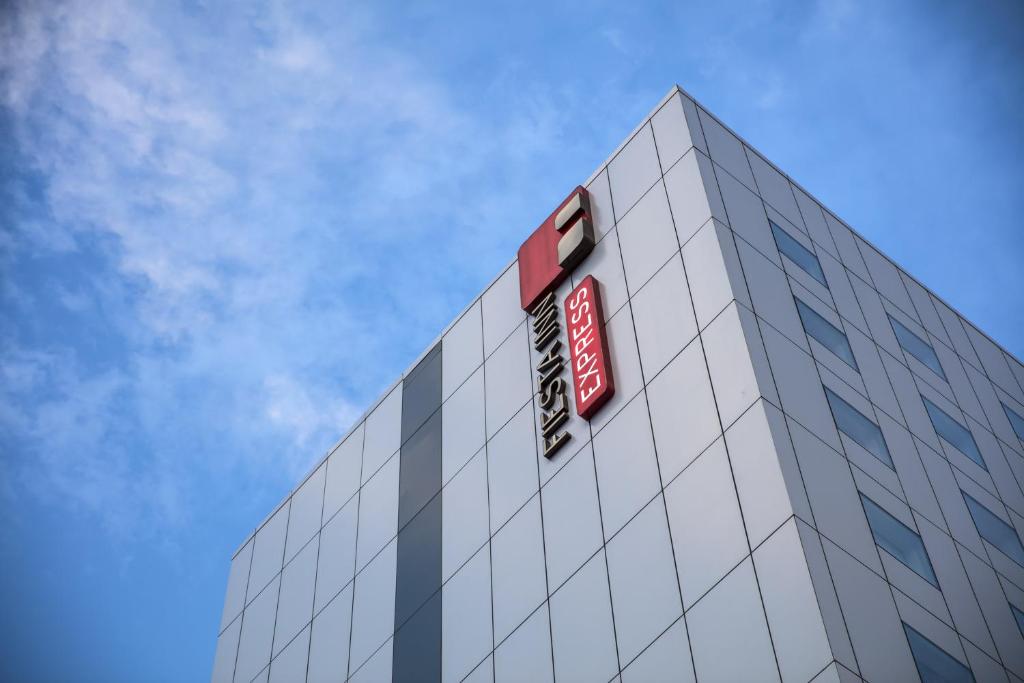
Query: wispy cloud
(241, 199)
(64, 426)
(225, 227)
(832, 16)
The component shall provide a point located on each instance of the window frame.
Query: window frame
(889, 544)
(929, 407)
(801, 306)
(800, 250)
(1016, 420)
(887, 460)
(898, 328)
(1018, 614)
(926, 646)
(973, 506)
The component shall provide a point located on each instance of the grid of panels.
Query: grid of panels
(866, 592)
(700, 525)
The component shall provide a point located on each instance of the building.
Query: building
(801, 465)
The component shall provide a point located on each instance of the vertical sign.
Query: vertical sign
(588, 348)
(554, 404)
(557, 246)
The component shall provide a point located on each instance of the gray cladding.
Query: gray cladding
(811, 469)
(417, 645)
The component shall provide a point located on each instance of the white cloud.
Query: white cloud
(833, 16)
(58, 415)
(261, 196)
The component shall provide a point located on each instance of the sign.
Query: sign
(554, 403)
(557, 246)
(588, 348)
(546, 259)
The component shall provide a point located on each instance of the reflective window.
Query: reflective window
(1019, 616)
(899, 540)
(994, 530)
(952, 431)
(826, 334)
(935, 665)
(851, 422)
(917, 347)
(1016, 421)
(798, 254)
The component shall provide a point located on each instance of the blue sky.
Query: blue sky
(225, 228)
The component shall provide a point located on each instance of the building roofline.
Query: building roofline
(803, 189)
(675, 89)
(391, 387)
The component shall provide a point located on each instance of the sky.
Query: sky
(226, 228)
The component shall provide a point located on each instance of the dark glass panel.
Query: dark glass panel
(953, 432)
(899, 540)
(421, 392)
(798, 254)
(417, 648)
(916, 347)
(851, 422)
(935, 665)
(1016, 421)
(994, 530)
(419, 561)
(826, 334)
(420, 473)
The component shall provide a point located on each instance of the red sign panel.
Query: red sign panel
(588, 348)
(551, 252)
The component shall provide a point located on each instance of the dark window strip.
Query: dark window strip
(416, 654)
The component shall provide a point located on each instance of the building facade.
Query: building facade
(807, 468)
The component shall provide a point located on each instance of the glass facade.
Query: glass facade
(417, 646)
(746, 507)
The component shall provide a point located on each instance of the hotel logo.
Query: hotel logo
(555, 248)
(546, 259)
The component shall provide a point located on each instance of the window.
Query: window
(798, 254)
(1016, 421)
(1019, 616)
(899, 540)
(953, 432)
(935, 665)
(916, 347)
(826, 334)
(995, 530)
(859, 428)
